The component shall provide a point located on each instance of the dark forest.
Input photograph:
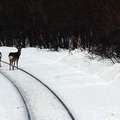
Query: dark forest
(93, 25)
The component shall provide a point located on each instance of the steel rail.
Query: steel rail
(59, 99)
(25, 104)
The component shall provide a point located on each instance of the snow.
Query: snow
(90, 88)
(11, 107)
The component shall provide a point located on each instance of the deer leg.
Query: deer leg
(17, 63)
(13, 64)
(10, 65)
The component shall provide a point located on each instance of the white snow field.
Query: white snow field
(90, 88)
(11, 104)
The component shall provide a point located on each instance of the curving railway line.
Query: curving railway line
(50, 90)
(22, 98)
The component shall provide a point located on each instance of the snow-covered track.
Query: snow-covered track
(63, 104)
(24, 102)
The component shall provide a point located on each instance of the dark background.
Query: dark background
(53, 23)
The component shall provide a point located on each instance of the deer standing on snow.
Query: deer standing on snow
(14, 57)
(0, 58)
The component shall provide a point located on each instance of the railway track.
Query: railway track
(59, 99)
(23, 99)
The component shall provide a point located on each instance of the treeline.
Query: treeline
(54, 23)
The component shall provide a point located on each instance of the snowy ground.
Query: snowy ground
(11, 106)
(90, 88)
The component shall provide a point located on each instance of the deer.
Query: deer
(0, 58)
(14, 57)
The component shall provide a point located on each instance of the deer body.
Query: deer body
(0, 58)
(14, 57)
